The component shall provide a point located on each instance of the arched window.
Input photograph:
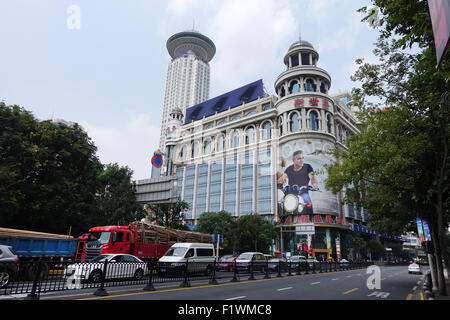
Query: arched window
(329, 125)
(183, 153)
(280, 125)
(322, 88)
(282, 92)
(249, 135)
(294, 124)
(235, 118)
(310, 86)
(220, 143)
(339, 134)
(313, 121)
(294, 87)
(266, 132)
(207, 147)
(235, 139)
(194, 150)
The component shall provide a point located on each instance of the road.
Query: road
(395, 284)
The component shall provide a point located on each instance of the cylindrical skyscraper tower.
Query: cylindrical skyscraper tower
(187, 80)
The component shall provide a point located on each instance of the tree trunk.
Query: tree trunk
(438, 257)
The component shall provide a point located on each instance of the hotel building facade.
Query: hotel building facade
(227, 153)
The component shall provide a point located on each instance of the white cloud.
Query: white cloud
(132, 146)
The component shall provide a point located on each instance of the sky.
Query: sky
(104, 65)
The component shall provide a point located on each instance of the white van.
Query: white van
(199, 256)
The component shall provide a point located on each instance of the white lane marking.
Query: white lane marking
(315, 283)
(335, 279)
(284, 289)
(235, 298)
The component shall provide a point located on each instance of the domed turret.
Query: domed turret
(302, 73)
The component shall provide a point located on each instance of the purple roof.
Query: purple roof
(232, 99)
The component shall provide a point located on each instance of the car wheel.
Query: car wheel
(95, 276)
(5, 278)
(139, 274)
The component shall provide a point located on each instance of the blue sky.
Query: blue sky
(109, 74)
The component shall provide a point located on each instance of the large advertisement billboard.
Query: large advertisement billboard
(301, 178)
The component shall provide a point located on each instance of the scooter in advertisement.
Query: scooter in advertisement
(295, 199)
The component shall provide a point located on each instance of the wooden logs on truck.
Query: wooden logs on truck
(16, 233)
(151, 233)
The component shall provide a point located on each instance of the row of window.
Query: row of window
(228, 188)
(249, 138)
(308, 86)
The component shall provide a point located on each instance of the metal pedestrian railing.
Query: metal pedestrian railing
(35, 278)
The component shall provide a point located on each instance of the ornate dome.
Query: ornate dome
(301, 43)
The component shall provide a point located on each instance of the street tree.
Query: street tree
(219, 223)
(48, 173)
(397, 168)
(252, 233)
(170, 214)
(116, 197)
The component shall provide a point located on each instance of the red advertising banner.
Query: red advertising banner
(440, 19)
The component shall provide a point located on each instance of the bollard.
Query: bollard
(33, 295)
(306, 264)
(289, 268)
(252, 276)
(320, 266)
(102, 291)
(186, 282)
(279, 269)
(213, 280)
(297, 266)
(267, 276)
(235, 279)
(314, 267)
(149, 286)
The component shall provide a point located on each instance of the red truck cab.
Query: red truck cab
(120, 239)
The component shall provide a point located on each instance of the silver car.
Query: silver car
(118, 266)
(8, 265)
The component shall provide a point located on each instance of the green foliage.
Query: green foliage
(116, 200)
(171, 214)
(398, 167)
(51, 179)
(252, 234)
(247, 233)
(219, 223)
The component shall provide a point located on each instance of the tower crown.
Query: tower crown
(184, 41)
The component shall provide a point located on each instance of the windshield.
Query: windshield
(176, 252)
(245, 256)
(100, 236)
(100, 258)
(227, 259)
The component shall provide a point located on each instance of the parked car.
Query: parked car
(414, 268)
(119, 266)
(312, 262)
(276, 263)
(200, 258)
(226, 263)
(344, 262)
(247, 259)
(8, 265)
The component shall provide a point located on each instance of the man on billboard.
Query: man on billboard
(300, 174)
